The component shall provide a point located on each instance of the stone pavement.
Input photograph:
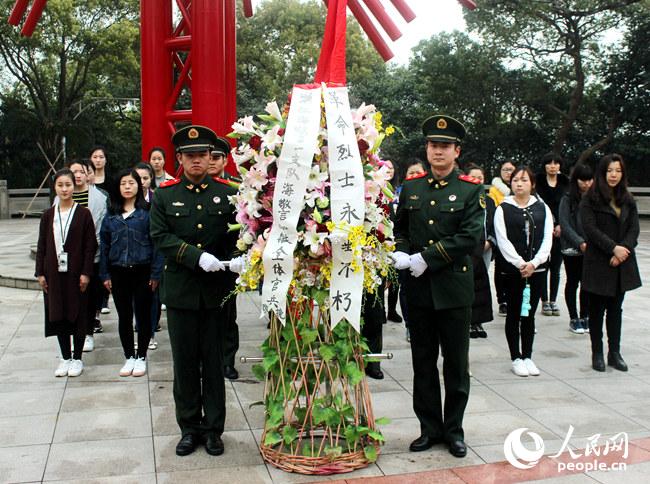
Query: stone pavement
(103, 428)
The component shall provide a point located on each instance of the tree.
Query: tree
(83, 53)
(558, 38)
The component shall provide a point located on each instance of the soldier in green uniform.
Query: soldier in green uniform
(189, 225)
(438, 223)
(216, 168)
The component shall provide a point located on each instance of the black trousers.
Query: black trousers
(499, 284)
(554, 272)
(403, 304)
(95, 295)
(516, 325)
(374, 317)
(393, 294)
(432, 330)
(131, 290)
(230, 332)
(598, 305)
(66, 349)
(199, 389)
(573, 269)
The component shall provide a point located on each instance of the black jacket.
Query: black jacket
(603, 231)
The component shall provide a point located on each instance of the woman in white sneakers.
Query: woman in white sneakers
(523, 226)
(129, 266)
(64, 264)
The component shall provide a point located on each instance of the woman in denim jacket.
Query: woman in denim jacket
(129, 266)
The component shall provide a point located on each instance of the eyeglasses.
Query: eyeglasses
(507, 170)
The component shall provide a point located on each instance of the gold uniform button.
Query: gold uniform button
(464, 268)
(177, 214)
(431, 242)
(199, 246)
(199, 226)
(199, 207)
(451, 209)
(165, 266)
(437, 186)
(433, 202)
(198, 190)
(430, 222)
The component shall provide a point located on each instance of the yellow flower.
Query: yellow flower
(390, 130)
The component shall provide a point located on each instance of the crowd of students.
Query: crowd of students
(93, 241)
(534, 223)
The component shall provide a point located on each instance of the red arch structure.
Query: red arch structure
(198, 54)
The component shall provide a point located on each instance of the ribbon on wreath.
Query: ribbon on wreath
(347, 200)
(294, 164)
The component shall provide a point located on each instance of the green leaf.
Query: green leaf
(382, 421)
(270, 361)
(327, 352)
(333, 452)
(268, 119)
(317, 216)
(259, 372)
(332, 417)
(306, 450)
(353, 373)
(370, 452)
(320, 296)
(272, 438)
(376, 435)
(351, 434)
(308, 335)
(318, 414)
(289, 434)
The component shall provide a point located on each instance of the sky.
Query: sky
(433, 16)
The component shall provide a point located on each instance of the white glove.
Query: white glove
(401, 260)
(237, 264)
(418, 265)
(210, 263)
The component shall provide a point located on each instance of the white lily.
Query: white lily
(273, 109)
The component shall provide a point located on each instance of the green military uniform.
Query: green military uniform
(443, 220)
(188, 219)
(231, 329)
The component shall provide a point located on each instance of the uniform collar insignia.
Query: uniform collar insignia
(414, 197)
(204, 186)
(430, 180)
(189, 187)
(178, 204)
(443, 183)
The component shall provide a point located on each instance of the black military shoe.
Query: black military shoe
(615, 360)
(423, 442)
(598, 362)
(457, 448)
(375, 373)
(394, 317)
(187, 444)
(214, 445)
(230, 372)
(480, 331)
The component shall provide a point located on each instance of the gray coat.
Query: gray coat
(603, 231)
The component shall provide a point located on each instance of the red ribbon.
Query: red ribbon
(331, 63)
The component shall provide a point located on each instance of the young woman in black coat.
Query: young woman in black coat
(610, 221)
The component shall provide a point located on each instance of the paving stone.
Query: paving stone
(23, 464)
(102, 424)
(30, 430)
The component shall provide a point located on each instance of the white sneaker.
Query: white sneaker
(127, 369)
(76, 368)
(140, 367)
(64, 366)
(519, 367)
(153, 344)
(163, 307)
(105, 310)
(531, 367)
(89, 344)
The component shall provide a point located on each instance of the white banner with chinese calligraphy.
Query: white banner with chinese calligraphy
(348, 208)
(294, 164)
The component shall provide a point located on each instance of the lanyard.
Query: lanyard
(64, 230)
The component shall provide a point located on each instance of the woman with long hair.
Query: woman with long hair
(64, 263)
(523, 225)
(157, 162)
(129, 266)
(610, 220)
(574, 246)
